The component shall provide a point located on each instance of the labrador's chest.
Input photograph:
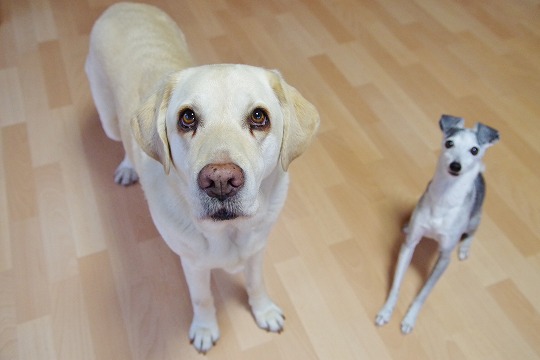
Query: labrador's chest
(231, 246)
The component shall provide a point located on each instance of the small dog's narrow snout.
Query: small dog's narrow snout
(221, 181)
(455, 167)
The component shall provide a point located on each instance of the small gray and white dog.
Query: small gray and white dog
(449, 211)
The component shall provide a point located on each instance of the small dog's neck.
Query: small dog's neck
(445, 186)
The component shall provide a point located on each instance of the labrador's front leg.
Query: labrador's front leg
(204, 330)
(267, 314)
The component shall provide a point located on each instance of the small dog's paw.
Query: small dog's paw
(270, 318)
(383, 317)
(463, 254)
(125, 175)
(407, 325)
(203, 337)
(406, 328)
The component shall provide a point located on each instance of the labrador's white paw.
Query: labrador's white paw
(203, 336)
(270, 318)
(125, 174)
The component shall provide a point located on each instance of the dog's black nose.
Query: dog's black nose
(455, 167)
(221, 181)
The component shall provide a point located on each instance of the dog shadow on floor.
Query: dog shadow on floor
(128, 221)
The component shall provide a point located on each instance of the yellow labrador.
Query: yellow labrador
(211, 145)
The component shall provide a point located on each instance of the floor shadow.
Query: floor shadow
(102, 154)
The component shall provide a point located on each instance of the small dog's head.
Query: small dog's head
(223, 129)
(463, 149)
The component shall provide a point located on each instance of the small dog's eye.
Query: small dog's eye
(474, 150)
(448, 144)
(187, 120)
(259, 119)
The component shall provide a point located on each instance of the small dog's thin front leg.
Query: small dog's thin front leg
(405, 256)
(204, 331)
(409, 320)
(267, 314)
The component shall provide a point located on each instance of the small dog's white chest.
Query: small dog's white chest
(444, 222)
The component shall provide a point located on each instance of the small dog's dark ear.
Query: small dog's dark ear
(486, 134)
(448, 122)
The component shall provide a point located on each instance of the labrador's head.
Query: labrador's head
(224, 129)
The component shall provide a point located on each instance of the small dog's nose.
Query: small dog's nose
(221, 181)
(455, 167)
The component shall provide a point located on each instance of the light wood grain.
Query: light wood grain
(85, 275)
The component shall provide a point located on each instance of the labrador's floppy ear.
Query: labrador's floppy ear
(300, 121)
(149, 126)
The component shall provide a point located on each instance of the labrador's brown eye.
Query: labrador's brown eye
(187, 120)
(259, 119)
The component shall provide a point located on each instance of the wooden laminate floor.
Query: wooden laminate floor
(85, 275)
